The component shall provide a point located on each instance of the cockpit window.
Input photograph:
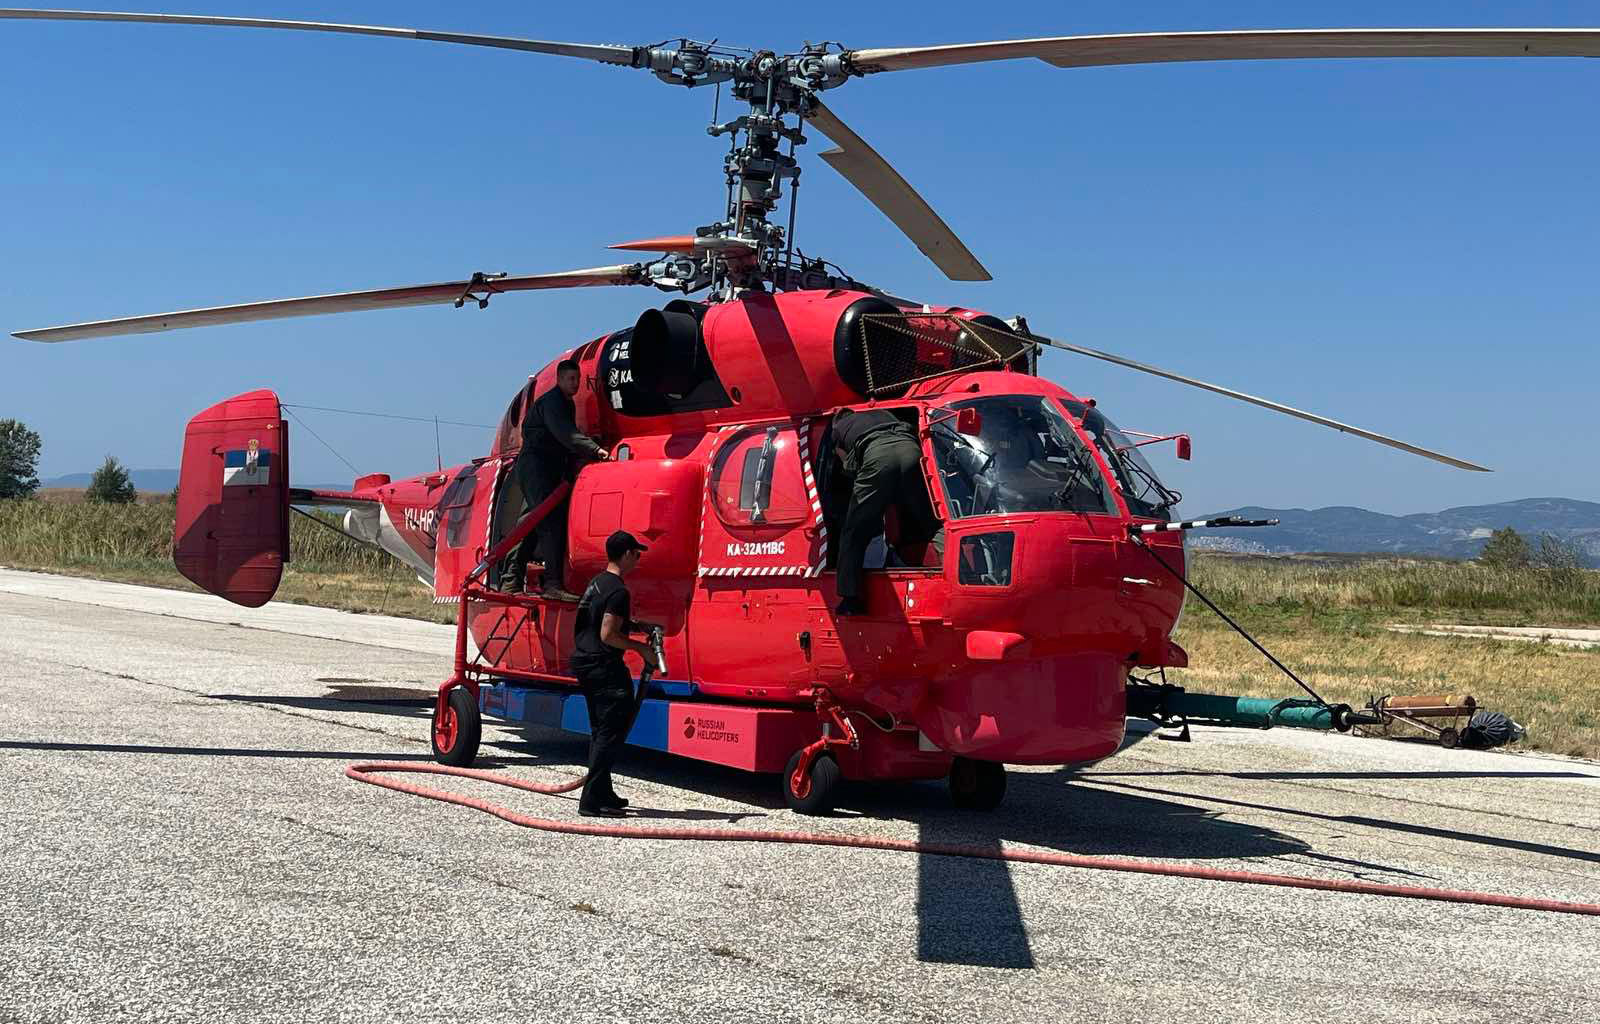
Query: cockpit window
(1146, 496)
(1025, 458)
(456, 506)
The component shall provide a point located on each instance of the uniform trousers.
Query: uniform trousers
(608, 691)
(890, 472)
(538, 477)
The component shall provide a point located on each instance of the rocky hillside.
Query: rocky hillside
(1453, 533)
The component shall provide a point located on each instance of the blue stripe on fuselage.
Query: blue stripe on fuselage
(567, 710)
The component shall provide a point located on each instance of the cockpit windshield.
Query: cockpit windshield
(1026, 457)
(1144, 492)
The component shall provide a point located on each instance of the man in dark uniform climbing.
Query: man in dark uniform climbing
(552, 449)
(881, 457)
(600, 636)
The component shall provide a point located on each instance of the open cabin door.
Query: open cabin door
(231, 535)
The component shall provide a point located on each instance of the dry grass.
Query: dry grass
(79, 496)
(92, 534)
(133, 544)
(1325, 619)
(1327, 623)
(1406, 590)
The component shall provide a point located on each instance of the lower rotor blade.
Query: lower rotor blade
(1265, 403)
(477, 289)
(606, 54)
(1165, 47)
(871, 174)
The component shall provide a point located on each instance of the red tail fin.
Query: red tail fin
(232, 532)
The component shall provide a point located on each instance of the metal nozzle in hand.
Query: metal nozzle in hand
(657, 663)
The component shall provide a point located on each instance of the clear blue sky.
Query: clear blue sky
(1407, 245)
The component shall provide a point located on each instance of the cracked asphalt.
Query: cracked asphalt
(178, 842)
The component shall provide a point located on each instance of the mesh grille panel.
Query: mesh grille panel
(898, 350)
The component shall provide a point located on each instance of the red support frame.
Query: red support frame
(471, 673)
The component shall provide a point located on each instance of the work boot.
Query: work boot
(551, 592)
(850, 606)
(600, 812)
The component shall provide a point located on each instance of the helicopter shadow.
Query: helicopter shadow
(357, 696)
(967, 909)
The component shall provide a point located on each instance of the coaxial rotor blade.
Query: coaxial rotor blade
(477, 289)
(606, 54)
(871, 174)
(1265, 403)
(1165, 47)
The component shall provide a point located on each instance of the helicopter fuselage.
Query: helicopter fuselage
(1009, 638)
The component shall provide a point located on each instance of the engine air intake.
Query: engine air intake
(886, 350)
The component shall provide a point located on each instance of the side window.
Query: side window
(455, 508)
(756, 479)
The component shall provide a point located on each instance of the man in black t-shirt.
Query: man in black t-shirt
(552, 449)
(600, 636)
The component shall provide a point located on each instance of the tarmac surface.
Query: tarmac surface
(178, 842)
(1580, 638)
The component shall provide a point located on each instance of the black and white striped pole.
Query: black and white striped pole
(1199, 524)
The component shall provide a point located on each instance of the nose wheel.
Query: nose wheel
(977, 785)
(457, 727)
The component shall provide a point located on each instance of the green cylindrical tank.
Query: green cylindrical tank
(1213, 709)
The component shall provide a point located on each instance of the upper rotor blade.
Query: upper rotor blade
(1163, 47)
(882, 185)
(1265, 403)
(341, 302)
(607, 54)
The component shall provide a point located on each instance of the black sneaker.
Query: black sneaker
(600, 812)
(614, 801)
(848, 606)
(551, 592)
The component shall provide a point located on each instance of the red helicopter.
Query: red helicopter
(1018, 639)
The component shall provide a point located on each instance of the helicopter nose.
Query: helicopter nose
(1048, 641)
(1055, 709)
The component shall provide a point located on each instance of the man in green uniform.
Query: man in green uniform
(882, 458)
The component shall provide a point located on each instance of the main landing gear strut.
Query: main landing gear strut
(811, 778)
(977, 785)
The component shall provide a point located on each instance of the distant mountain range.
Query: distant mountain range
(1453, 533)
(143, 479)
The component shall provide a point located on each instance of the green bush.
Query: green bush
(111, 484)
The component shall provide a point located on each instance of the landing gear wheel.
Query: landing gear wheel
(977, 785)
(818, 788)
(1448, 737)
(457, 729)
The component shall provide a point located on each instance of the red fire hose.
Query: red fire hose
(369, 772)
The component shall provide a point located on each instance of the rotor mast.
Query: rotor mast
(746, 247)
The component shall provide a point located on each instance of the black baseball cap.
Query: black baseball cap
(622, 542)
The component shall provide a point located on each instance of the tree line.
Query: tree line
(19, 469)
